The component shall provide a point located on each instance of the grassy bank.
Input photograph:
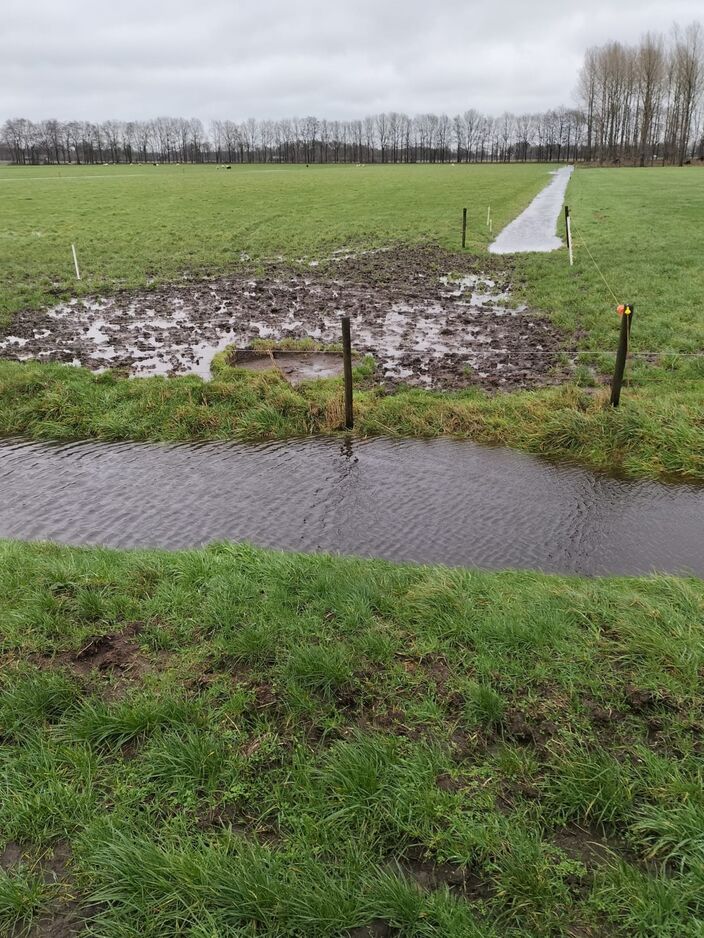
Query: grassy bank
(657, 432)
(240, 742)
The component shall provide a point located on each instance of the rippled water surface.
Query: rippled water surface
(437, 501)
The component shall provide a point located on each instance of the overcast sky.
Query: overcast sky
(92, 60)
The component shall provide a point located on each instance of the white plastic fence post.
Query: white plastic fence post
(75, 262)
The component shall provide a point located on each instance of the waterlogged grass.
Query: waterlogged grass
(238, 742)
(134, 225)
(658, 432)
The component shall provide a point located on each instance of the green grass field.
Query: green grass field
(139, 224)
(134, 224)
(235, 742)
(641, 228)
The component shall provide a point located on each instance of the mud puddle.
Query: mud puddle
(429, 318)
(294, 366)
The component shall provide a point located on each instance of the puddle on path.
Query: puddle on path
(294, 366)
(439, 501)
(421, 326)
(534, 229)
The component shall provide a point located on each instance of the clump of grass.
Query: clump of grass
(252, 644)
(483, 705)
(189, 758)
(676, 833)
(319, 668)
(592, 787)
(102, 724)
(333, 744)
(30, 699)
(23, 894)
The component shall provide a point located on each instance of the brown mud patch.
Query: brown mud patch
(462, 881)
(429, 317)
(10, 856)
(377, 928)
(589, 846)
(115, 652)
(117, 656)
(63, 916)
(295, 367)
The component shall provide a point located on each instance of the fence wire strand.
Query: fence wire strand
(598, 269)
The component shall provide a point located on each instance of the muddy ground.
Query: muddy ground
(429, 318)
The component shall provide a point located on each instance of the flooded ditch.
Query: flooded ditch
(429, 318)
(437, 501)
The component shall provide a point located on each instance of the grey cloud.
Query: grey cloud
(225, 59)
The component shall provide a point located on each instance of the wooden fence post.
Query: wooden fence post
(347, 366)
(626, 319)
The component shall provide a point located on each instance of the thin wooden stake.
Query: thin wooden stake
(621, 355)
(347, 367)
(464, 228)
(568, 233)
(75, 262)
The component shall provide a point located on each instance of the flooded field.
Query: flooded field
(428, 317)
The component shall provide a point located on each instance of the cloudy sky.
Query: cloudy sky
(92, 59)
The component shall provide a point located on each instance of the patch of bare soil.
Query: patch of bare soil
(66, 921)
(377, 928)
(536, 730)
(462, 881)
(592, 847)
(10, 856)
(117, 655)
(116, 652)
(430, 318)
(64, 917)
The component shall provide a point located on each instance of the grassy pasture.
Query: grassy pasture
(643, 228)
(134, 224)
(142, 223)
(237, 742)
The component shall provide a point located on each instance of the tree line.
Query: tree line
(642, 103)
(635, 104)
(382, 138)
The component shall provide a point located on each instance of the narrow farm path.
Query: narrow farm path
(534, 229)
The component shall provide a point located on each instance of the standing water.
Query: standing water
(439, 501)
(534, 229)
